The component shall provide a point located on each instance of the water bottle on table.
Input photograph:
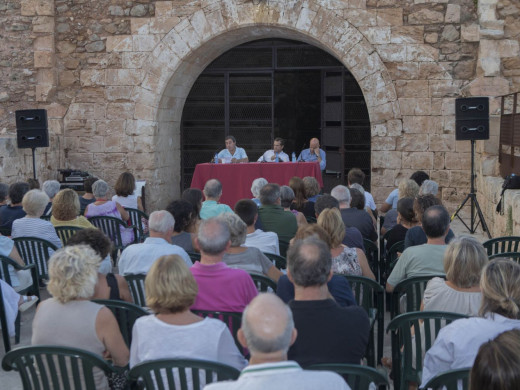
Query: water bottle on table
(293, 157)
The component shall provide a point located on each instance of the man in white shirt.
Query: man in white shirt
(356, 175)
(276, 154)
(265, 241)
(268, 332)
(138, 258)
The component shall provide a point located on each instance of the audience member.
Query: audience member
(408, 188)
(300, 202)
(249, 259)
(286, 201)
(255, 189)
(70, 319)
(429, 187)
(184, 216)
(14, 303)
(4, 194)
(268, 332)
(464, 260)
(322, 324)
(274, 218)
(345, 260)
(416, 235)
(405, 220)
(312, 188)
(13, 211)
(33, 203)
(109, 285)
(88, 197)
(22, 279)
(266, 242)
(497, 365)
(51, 188)
(125, 192)
(66, 209)
(425, 259)
(357, 176)
(103, 207)
(34, 184)
(210, 207)
(138, 258)
(353, 237)
(339, 287)
(220, 288)
(457, 344)
(391, 202)
(194, 196)
(174, 331)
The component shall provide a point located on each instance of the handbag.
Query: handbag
(511, 182)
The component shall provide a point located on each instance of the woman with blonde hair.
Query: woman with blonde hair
(408, 188)
(457, 344)
(174, 331)
(69, 318)
(65, 210)
(345, 260)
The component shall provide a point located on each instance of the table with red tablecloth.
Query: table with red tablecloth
(236, 179)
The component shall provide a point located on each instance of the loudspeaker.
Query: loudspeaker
(471, 118)
(31, 129)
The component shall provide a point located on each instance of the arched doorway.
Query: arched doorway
(277, 88)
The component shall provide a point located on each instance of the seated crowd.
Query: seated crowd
(201, 256)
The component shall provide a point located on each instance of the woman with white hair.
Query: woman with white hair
(34, 203)
(51, 188)
(249, 259)
(108, 208)
(429, 187)
(255, 189)
(70, 319)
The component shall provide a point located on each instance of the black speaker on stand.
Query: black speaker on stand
(472, 123)
(32, 131)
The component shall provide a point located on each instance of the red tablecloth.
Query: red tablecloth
(236, 179)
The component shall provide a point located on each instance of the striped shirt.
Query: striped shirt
(35, 227)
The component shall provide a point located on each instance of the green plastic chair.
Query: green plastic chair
(414, 290)
(450, 380)
(34, 250)
(372, 253)
(371, 296)
(66, 232)
(46, 217)
(284, 246)
(136, 286)
(3, 324)
(194, 256)
(126, 314)
(232, 320)
(50, 367)
(263, 283)
(180, 374)
(280, 262)
(357, 376)
(112, 226)
(403, 345)
(515, 256)
(391, 258)
(502, 244)
(310, 219)
(136, 218)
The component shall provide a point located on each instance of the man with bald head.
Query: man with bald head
(268, 332)
(314, 153)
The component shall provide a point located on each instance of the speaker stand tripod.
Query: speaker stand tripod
(34, 162)
(472, 197)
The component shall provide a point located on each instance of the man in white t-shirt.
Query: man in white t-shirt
(276, 154)
(265, 241)
(357, 176)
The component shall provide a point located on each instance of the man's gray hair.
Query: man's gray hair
(213, 188)
(257, 186)
(160, 221)
(309, 262)
(99, 188)
(213, 236)
(237, 228)
(429, 187)
(257, 344)
(358, 187)
(269, 194)
(286, 196)
(51, 188)
(341, 193)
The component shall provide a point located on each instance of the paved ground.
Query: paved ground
(11, 380)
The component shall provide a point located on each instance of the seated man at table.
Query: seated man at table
(276, 154)
(314, 153)
(232, 152)
(211, 207)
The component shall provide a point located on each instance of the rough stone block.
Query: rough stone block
(144, 43)
(163, 8)
(44, 43)
(452, 13)
(141, 25)
(123, 77)
(417, 160)
(390, 17)
(454, 160)
(376, 35)
(425, 16)
(92, 77)
(119, 43)
(470, 33)
(441, 143)
(28, 8)
(421, 124)
(415, 106)
(383, 143)
(120, 110)
(406, 34)
(43, 59)
(360, 17)
(386, 159)
(441, 176)
(43, 24)
(413, 142)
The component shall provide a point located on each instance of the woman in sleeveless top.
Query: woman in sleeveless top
(184, 216)
(125, 188)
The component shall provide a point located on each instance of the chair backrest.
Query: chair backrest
(407, 351)
(66, 232)
(279, 262)
(138, 218)
(181, 374)
(372, 253)
(392, 257)
(502, 244)
(194, 256)
(357, 376)
(310, 219)
(136, 286)
(126, 314)
(515, 256)
(263, 283)
(3, 324)
(37, 251)
(450, 380)
(284, 246)
(46, 217)
(51, 367)
(414, 290)
(5, 263)
(232, 320)
(111, 226)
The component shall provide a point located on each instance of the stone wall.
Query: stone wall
(115, 74)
